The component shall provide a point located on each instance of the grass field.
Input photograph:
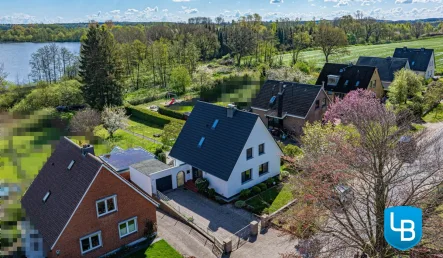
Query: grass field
(160, 249)
(383, 50)
(436, 115)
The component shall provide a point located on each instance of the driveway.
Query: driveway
(223, 220)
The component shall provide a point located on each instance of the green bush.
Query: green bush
(284, 174)
(202, 184)
(150, 116)
(211, 193)
(255, 190)
(263, 186)
(303, 66)
(240, 204)
(170, 113)
(270, 181)
(244, 194)
(292, 150)
(162, 157)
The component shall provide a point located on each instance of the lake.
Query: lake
(16, 56)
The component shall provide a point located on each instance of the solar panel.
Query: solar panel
(123, 159)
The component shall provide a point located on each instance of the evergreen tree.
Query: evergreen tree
(100, 68)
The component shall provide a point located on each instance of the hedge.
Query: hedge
(170, 113)
(150, 116)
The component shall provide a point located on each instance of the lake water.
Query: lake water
(16, 56)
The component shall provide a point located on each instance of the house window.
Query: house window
(45, 198)
(357, 83)
(261, 149)
(249, 153)
(246, 176)
(106, 205)
(214, 124)
(91, 242)
(200, 143)
(263, 169)
(317, 104)
(323, 102)
(127, 227)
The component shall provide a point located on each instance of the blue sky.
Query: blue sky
(53, 11)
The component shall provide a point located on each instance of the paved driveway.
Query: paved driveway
(223, 220)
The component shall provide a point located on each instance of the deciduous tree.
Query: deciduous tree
(331, 40)
(406, 84)
(114, 118)
(85, 120)
(300, 41)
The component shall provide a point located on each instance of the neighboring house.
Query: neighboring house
(386, 67)
(421, 60)
(288, 105)
(340, 79)
(80, 208)
(232, 149)
(119, 160)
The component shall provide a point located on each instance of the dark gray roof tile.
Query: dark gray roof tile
(419, 58)
(386, 66)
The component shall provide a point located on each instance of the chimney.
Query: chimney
(230, 111)
(405, 48)
(323, 84)
(280, 87)
(280, 100)
(87, 148)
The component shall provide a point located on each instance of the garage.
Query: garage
(164, 183)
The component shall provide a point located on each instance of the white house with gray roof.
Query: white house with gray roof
(233, 149)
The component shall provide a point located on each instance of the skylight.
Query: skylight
(214, 124)
(45, 198)
(413, 62)
(272, 100)
(71, 164)
(346, 82)
(357, 83)
(201, 142)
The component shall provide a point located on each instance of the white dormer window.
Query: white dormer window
(333, 80)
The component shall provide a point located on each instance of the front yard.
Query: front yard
(159, 249)
(271, 200)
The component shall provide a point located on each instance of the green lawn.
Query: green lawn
(160, 249)
(436, 115)
(272, 199)
(382, 50)
(141, 127)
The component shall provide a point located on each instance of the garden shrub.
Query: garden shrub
(263, 186)
(270, 181)
(303, 66)
(244, 194)
(211, 193)
(256, 190)
(170, 113)
(150, 228)
(284, 174)
(292, 150)
(240, 204)
(150, 116)
(202, 184)
(162, 157)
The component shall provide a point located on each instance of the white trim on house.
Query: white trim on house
(75, 210)
(127, 227)
(105, 200)
(99, 234)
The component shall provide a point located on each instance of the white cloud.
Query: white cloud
(180, 1)
(151, 10)
(191, 11)
(165, 10)
(115, 11)
(342, 3)
(403, 1)
(276, 1)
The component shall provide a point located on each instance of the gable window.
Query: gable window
(246, 176)
(106, 205)
(317, 104)
(263, 169)
(127, 227)
(261, 149)
(249, 153)
(323, 102)
(91, 242)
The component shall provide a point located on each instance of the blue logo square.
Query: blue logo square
(403, 226)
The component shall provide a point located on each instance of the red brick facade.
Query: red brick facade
(85, 221)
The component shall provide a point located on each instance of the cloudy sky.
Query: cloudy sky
(56, 11)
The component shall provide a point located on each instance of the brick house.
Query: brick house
(287, 106)
(340, 79)
(81, 208)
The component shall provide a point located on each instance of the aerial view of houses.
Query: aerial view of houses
(187, 129)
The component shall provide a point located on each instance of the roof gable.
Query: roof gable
(66, 187)
(386, 66)
(221, 146)
(351, 77)
(419, 58)
(297, 98)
